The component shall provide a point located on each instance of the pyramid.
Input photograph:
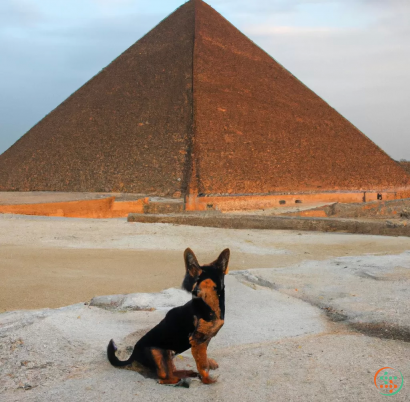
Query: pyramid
(195, 107)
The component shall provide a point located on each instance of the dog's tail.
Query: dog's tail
(111, 349)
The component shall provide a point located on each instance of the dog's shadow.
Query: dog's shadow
(125, 352)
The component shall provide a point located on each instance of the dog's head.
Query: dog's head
(207, 281)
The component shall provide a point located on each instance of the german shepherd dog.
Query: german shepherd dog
(190, 326)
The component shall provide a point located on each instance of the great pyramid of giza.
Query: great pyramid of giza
(195, 106)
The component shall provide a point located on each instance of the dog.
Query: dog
(191, 326)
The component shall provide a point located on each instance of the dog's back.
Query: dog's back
(188, 326)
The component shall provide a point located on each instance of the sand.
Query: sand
(275, 345)
(55, 262)
(306, 320)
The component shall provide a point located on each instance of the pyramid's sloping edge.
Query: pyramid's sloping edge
(128, 129)
(259, 130)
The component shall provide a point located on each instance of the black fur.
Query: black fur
(174, 331)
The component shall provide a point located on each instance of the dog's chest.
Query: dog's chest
(207, 329)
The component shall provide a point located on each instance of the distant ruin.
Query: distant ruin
(196, 110)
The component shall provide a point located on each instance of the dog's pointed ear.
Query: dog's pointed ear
(191, 263)
(223, 261)
(193, 270)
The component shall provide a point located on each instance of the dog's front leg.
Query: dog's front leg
(199, 352)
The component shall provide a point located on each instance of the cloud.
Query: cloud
(362, 72)
(19, 13)
(356, 56)
(107, 7)
(114, 3)
(267, 30)
(46, 63)
(397, 4)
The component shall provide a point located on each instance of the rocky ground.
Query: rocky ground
(312, 318)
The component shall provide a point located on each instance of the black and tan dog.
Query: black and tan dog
(190, 326)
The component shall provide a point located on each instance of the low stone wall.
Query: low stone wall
(101, 208)
(163, 207)
(255, 202)
(233, 221)
(98, 208)
(110, 208)
(373, 210)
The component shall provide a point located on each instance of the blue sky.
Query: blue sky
(353, 53)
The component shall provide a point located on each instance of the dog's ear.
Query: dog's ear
(193, 270)
(223, 261)
(191, 263)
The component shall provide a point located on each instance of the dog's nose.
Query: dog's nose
(195, 291)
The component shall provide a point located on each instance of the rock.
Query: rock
(405, 213)
(276, 341)
(370, 293)
(164, 300)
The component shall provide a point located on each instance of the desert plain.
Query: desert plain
(310, 316)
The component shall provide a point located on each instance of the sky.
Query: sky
(355, 54)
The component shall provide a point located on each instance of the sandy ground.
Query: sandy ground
(307, 315)
(273, 346)
(55, 262)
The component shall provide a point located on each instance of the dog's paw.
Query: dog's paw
(213, 365)
(208, 379)
(169, 381)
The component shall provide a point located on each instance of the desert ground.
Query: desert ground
(55, 262)
(310, 316)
